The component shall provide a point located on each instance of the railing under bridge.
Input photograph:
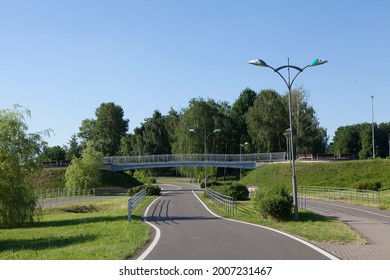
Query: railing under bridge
(246, 161)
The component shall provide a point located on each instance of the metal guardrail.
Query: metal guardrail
(134, 201)
(227, 203)
(348, 195)
(61, 196)
(264, 157)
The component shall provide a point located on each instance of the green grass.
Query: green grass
(88, 231)
(311, 226)
(337, 174)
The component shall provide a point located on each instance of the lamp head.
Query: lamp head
(318, 61)
(258, 62)
(216, 130)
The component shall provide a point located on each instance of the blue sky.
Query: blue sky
(62, 59)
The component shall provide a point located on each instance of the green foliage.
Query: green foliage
(142, 175)
(18, 159)
(105, 132)
(357, 140)
(55, 153)
(371, 186)
(267, 120)
(151, 190)
(273, 202)
(236, 190)
(74, 149)
(84, 173)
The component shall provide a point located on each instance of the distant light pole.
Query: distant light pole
(242, 146)
(287, 134)
(289, 83)
(372, 126)
(206, 137)
(389, 144)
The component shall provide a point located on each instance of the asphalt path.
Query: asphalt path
(186, 230)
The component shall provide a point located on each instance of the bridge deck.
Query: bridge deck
(246, 161)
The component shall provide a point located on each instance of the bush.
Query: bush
(275, 202)
(150, 190)
(371, 186)
(153, 190)
(236, 190)
(134, 190)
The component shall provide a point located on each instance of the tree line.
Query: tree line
(259, 119)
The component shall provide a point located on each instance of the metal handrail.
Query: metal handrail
(263, 157)
(351, 195)
(134, 201)
(227, 203)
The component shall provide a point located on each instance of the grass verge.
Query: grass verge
(96, 230)
(311, 226)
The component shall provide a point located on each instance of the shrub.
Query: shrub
(153, 190)
(150, 190)
(372, 186)
(236, 190)
(134, 190)
(275, 202)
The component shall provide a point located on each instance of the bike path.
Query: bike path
(186, 230)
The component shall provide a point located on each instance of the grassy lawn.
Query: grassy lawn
(96, 230)
(336, 174)
(311, 226)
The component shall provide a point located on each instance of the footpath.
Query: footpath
(372, 224)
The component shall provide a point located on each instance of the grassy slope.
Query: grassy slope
(54, 178)
(343, 174)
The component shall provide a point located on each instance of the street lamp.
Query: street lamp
(206, 137)
(372, 127)
(242, 146)
(287, 134)
(289, 83)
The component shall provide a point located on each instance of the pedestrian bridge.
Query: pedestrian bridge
(245, 161)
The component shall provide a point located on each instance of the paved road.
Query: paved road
(189, 231)
(373, 224)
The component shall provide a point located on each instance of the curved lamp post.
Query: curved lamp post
(289, 83)
(206, 137)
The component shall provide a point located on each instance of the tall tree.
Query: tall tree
(309, 137)
(239, 112)
(267, 120)
(74, 148)
(18, 158)
(110, 128)
(156, 136)
(106, 131)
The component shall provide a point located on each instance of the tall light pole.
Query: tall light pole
(206, 137)
(242, 146)
(372, 127)
(289, 83)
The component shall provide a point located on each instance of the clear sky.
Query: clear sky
(62, 59)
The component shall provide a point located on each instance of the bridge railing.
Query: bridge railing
(264, 157)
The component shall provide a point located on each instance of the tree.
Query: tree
(105, 133)
(156, 138)
(309, 137)
(267, 120)
(110, 128)
(239, 112)
(84, 173)
(55, 153)
(74, 149)
(18, 158)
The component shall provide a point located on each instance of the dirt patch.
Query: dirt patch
(80, 209)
